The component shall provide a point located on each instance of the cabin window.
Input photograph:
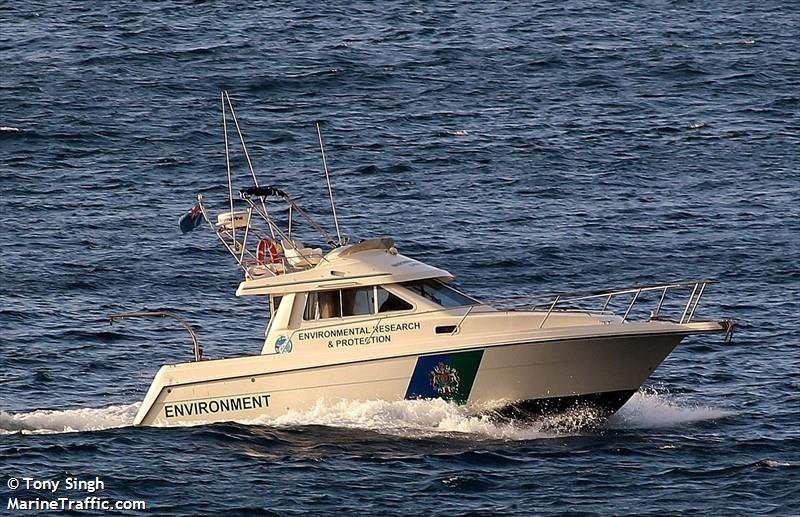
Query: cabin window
(388, 302)
(311, 312)
(275, 302)
(340, 302)
(439, 293)
(358, 301)
(323, 304)
(329, 304)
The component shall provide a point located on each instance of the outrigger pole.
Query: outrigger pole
(249, 162)
(255, 197)
(228, 163)
(330, 189)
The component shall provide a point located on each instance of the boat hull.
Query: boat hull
(600, 405)
(515, 380)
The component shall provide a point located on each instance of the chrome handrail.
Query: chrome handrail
(550, 310)
(458, 325)
(552, 302)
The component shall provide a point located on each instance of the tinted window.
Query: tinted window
(439, 293)
(388, 302)
(276, 302)
(358, 301)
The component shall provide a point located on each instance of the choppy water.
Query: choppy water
(525, 147)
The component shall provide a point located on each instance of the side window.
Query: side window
(358, 301)
(334, 304)
(439, 293)
(276, 302)
(330, 304)
(388, 302)
(323, 304)
(312, 307)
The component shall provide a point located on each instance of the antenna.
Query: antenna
(330, 190)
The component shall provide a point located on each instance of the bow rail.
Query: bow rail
(584, 301)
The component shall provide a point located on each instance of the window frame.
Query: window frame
(397, 311)
(375, 307)
(446, 286)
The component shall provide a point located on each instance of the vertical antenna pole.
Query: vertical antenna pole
(330, 190)
(228, 165)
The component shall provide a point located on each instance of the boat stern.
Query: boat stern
(144, 416)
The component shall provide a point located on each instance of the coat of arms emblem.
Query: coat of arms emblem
(444, 379)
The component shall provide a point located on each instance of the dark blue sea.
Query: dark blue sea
(527, 147)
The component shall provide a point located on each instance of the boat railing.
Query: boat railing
(565, 302)
(584, 301)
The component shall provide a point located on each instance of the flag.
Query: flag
(191, 219)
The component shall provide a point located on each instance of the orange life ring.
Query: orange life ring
(265, 246)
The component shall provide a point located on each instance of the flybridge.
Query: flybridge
(270, 253)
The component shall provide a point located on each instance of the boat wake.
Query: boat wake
(45, 421)
(426, 418)
(412, 418)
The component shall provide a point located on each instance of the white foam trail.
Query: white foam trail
(650, 409)
(45, 421)
(7, 129)
(646, 409)
(416, 418)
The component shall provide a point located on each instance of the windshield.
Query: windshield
(439, 293)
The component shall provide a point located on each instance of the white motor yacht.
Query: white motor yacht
(362, 321)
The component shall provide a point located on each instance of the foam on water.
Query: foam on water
(416, 418)
(650, 409)
(45, 421)
(646, 409)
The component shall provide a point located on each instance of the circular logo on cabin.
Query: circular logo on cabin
(283, 345)
(444, 379)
